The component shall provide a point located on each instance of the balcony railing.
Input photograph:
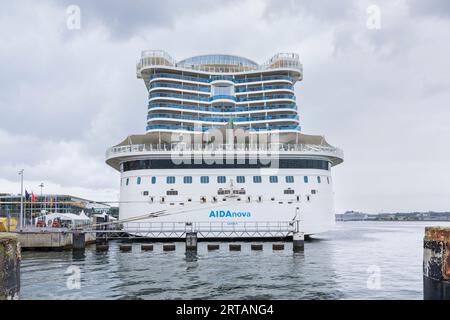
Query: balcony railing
(178, 96)
(286, 147)
(272, 97)
(271, 87)
(221, 110)
(178, 86)
(204, 129)
(215, 78)
(222, 119)
(222, 97)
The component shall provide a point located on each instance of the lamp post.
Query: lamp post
(21, 198)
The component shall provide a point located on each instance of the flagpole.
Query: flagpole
(21, 198)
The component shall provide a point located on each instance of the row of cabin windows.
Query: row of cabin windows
(223, 179)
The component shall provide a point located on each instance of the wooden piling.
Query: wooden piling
(10, 255)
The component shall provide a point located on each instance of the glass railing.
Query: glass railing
(222, 119)
(219, 77)
(275, 128)
(220, 97)
(212, 109)
(263, 78)
(272, 97)
(243, 89)
(178, 96)
(204, 129)
(178, 86)
(179, 77)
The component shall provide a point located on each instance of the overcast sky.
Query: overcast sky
(380, 94)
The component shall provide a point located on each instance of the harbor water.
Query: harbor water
(355, 260)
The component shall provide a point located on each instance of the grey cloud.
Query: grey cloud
(438, 8)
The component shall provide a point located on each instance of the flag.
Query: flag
(33, 198)
(27, 195)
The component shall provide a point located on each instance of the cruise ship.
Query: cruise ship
(223, 153)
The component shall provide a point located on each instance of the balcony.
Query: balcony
(269, 87)
(178, 86)
(272, 97)
(179, 77)
(220, 110)
(204, 129)
(178, 96)
(223, 97)
(221, 119)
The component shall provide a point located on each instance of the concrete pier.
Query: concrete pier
(212, 247)
(256, 247)
(10, 255)
(125, 247)
(101, 247)
(169, 247)
(278, 246)
(147, 247)
(78, 241)
(191, 241)
(235, 247)
(436, 264)
(298, 241)
(51, 240)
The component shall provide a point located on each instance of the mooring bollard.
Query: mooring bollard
(436, 264)
(147, 247)
(257, 247)
(169, 247)
(235, 247)
(78, 241)
(212, 247)
(125, 247)
(298, 241)
(101, 247)
(10, 255)
(277, 246)
(191, 241)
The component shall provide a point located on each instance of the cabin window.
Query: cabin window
(221, 179)
(257, 179)
(170, 180)
(273, 179)
(153, 180)
(289, 179)
(204, 179)
(187, 179)
(128, 180)
(138, 181)
(240, 179)
(318, 179)
(305, 179)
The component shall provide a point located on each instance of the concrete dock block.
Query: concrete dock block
(436, 264)
(235, 247)
(101, 247)
(278, 246)
(169, 247)
(10, 256)
(212, 247)
(125, 247)
(147, 247)
(256, 247)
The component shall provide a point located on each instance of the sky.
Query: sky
(376, 84)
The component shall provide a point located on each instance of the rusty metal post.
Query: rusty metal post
(10, 255)
(436, 264)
